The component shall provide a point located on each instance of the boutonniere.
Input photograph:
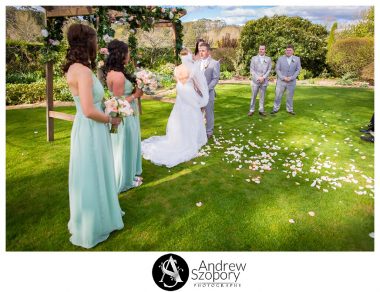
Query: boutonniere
(265, 60)
(293, 60)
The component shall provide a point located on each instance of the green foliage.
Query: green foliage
(227, 57)
(22, 57)
(350, 55)
(165, 73)
(365, 28)
(225, 75)
(305, 74)
(36, 92)
(26, 78)
(331, 38)
(347, 79)
(308, 39)
(156, 57)
(52, 39)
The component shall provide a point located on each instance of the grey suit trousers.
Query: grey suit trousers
(281, 86)
(256, 88)
(210, 113)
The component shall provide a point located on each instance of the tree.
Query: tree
(331, 39)
(308, 39)
(351, 55)
(24, 23)
(365, 28)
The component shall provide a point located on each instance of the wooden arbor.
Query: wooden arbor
(71, 11)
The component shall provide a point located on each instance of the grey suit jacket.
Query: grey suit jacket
(212, 73)
(260, 70)
(283, 69)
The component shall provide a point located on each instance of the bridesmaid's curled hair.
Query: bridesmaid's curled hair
(82, 46)
(117, 52)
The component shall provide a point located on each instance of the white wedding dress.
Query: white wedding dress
(185, 131)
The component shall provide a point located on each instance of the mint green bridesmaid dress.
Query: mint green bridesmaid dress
(126, 146)
(94, 206)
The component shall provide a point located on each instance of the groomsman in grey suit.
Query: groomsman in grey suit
(260, 70)
(287, 68)
(211, 69)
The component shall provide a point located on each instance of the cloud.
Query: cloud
(313, 13)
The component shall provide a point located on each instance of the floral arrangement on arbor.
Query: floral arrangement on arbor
(143, 17)
(52, 36)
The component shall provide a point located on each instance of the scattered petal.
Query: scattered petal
(199, 204)
(311, 213)
(292, 221)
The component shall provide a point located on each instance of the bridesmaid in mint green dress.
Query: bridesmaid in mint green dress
(94, 206)
(126, 143)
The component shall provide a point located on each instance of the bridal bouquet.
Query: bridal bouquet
(146, 81)
(117, 108)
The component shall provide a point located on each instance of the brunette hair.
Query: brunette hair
(196, 45)
(117, 51)
(82, 46)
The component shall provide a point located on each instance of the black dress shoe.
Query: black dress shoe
(365, 131)
(292, 113)
(369, 138)
(274, 112)
(250, 113)
(262, 114)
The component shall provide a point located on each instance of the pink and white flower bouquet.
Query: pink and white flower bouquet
(147, 81)
(117, 108)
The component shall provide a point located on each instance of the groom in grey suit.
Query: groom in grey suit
(211, 69)
(260, 69)
(287, 68)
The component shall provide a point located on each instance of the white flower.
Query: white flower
(292, 221)
(199, 204)
(311, 213)
(107, 38)
(171, 15)
(132, 31)
(44, 33)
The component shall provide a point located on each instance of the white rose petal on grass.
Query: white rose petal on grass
(194, 162)
(372, 235)
(199, 204)
(292, 221)
(311, 213)
(203, 163)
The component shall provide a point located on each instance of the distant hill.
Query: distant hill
(210, 30)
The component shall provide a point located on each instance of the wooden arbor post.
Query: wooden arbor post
(49, 102)
(69, 11)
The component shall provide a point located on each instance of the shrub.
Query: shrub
(27, 78)
(305, 74)
(23, 57)
(155, 57)
(350, 55)
(227, 57)
(367, 73)
(225, 75)
(308, 39)
(347, 79)
(36, 92)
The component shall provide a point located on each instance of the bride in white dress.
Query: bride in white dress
(185, 131)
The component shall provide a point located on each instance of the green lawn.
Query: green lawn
(236, 214)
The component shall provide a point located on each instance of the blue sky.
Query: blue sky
(238, 15)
